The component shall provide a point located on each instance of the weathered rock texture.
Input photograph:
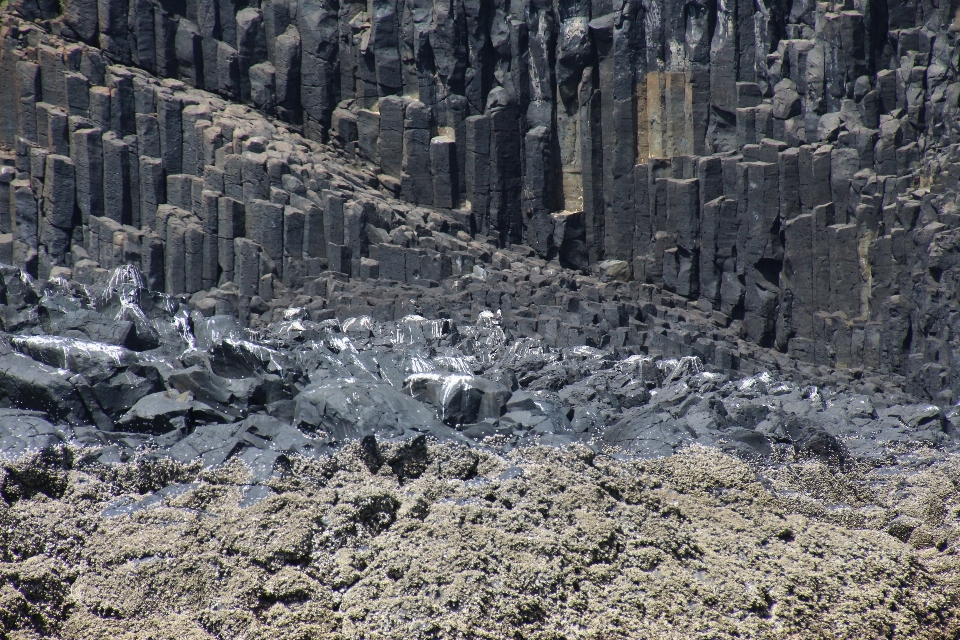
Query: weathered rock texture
(292, 290)
(168, 474)
(537, 544)
(791, 167)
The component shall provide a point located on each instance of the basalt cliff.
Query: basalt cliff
(479, 318)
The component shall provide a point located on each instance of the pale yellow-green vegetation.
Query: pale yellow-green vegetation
(540, 544)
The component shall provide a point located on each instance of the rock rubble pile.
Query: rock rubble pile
(128, 370)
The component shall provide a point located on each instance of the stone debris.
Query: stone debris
(320, 384)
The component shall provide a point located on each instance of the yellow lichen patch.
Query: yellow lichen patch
(543, 543)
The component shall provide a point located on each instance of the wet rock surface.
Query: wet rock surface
(308, 387)
(344, 478)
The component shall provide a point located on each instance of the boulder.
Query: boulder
(786, 100)
(79, 356)
(28, 384)
(232, 358)
(348, 409)
(458, 398)
(614, 271)
(649, 432)
(117, 393)
(22, 431)
(167, 411)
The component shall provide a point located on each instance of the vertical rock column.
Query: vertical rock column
(709, 269)
(333, 231)
(28, 80)
(294, 269)
(9, 90)
(286, 62)
(189, 52)
(114, 40)
(153, 191)
(443, 163)
(171, 229)
(117, 196)
(416, 181)
(208, 25)
(256, 183)
(264, 225)
(352, 84)
(813, 165)
(845, 275)
(81, 18)
(731, 286)
(505, 171)
(710, 177)
(356, 215)
(143, 31)
(210, 223)
(723, 60)
(573, 51)
(391, 135)
(314, 239)
(193, 241)
(7, 217)
(228, 70)
(78, 94)
(318, 28)
(100, 103)
(759, 251)
(165, 36)
(56, 225)
(681, 264)
(536, 194)
(591, 159)
(477, 170)
(795, 328)
(617, 37)
(368, 135)
(169, 117)
(86, 150)
(385, 42)
(230, 225)
(26, 238)
(122, 101)
(192, 159)
(643, 230)
(789, 183)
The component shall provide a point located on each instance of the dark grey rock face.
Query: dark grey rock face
(208, 389)
(794, 171)
(645, 228)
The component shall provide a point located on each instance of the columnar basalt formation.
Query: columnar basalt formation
(788, 168)
(422, 318)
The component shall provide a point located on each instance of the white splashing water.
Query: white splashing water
(459, 364)
(63, 347)
(415, 363)
(450, 385)
(360, 322)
